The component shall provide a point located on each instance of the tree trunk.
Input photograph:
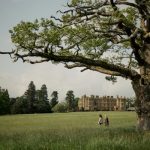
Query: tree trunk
(142, 91)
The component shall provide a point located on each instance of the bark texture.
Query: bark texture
(142, 91)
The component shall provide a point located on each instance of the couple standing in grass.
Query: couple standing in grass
(105, 120)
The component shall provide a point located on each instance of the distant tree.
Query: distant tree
(33, 101)
(38, 95)
(130, 102)
(4, 102)
(20, 106)
(54, 99)
(30, 97)
(60, 107)
(12, 105)
(41, 101)
(44, 94)
(12, 102)
(75, 105)
(44, 98)
(70, 99)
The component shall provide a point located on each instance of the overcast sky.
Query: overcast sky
(16, 76)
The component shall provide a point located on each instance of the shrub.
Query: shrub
(60, 107)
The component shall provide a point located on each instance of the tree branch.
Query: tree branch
(97, 65)
(98, 69)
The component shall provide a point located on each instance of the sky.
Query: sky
(16, 76)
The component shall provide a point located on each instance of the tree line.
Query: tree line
(36, 101)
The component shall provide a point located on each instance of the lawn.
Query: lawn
(71, 131)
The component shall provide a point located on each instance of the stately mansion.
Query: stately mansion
(105, 103)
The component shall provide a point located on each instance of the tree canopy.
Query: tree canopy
(101, 35)
(4, 101)
(54, 99)
(32, 101)
(70, 100)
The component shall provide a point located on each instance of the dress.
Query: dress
(106, 121)
(100, 121)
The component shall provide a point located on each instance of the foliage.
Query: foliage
(97, 35)
(30, 97)
(4, 102)
(70, 100)
(33, 101)
(54, 100)
(60, 107)
(20, 106)
(76, 103)
(111, 78)
(44, 94)
(130, 102)
(105, 36)
(41, 102)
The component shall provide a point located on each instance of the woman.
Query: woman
(100, 121)
(106, 120)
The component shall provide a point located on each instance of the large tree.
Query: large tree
(108, 36)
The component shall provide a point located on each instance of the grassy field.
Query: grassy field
(71, 131)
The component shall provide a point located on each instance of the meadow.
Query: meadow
(71, 131)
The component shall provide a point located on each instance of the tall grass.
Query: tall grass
(71, 131)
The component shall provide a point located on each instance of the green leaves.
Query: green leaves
(28, 35)
(131, 16)
(25, 34)
(92, 29)
(4, 102)
(111, 78)
(75, 2)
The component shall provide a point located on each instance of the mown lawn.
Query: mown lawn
(71, 131)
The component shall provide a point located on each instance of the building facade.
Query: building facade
(105, 103)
